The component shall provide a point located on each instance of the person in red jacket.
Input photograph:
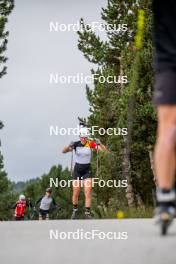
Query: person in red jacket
(20, 207)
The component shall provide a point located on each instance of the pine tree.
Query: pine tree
(116, 105)
(6, 7)
(6, 195)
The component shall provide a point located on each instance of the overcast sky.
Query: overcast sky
(29, 105)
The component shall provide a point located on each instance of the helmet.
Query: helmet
(84, 132)
(49, 190)
(22, 197)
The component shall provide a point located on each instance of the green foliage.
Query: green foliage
(6, 6)
(6, 194)
(35, 189)
(138, 212)
(110, 103)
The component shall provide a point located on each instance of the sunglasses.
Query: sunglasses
(83, 138)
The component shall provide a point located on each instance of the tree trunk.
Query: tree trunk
(126, 165)
(154, 176)
(152, 164)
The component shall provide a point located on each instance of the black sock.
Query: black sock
(87, 209)
(75, 206)
(165, 197)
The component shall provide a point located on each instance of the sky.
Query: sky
(29, 103)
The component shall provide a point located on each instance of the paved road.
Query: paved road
(30, 242)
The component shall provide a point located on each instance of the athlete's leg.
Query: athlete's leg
(165, 99)
(165, 165)
(40, 216)
(76, 190)
(47, 217)
(88, 192)
(165, 147)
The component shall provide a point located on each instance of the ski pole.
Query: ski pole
(97, 162)
(71, 169)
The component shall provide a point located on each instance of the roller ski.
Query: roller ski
(74, 215)
(165, 211)
(88, 214)
(164, 217)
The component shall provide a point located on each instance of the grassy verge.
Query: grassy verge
(126, 213)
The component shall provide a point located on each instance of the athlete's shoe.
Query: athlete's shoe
(164, 216)
(74, 214)
(88, 214)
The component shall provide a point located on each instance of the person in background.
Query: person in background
(82, 169)
(20, 207)
(46, 201)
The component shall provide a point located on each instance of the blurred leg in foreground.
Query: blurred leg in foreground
(165, 100)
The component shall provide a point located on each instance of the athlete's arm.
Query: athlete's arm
(14, 206)
(39, 200)
(98, 145)
(101, 147)
(54, 202)
(55, 205)
(68, 148)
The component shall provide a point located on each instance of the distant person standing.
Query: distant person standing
(45, 204)
(165, 100)
(20, 207)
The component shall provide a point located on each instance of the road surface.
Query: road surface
(130, 241)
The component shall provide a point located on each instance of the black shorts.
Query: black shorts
(82, 171)
(43, 212)
(165, 88)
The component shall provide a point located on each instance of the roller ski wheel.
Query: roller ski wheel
(74, 215)
(166, 220)
(88, 215)
(164, 217)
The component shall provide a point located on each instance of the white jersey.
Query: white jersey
(46, 203)
(83, 153)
